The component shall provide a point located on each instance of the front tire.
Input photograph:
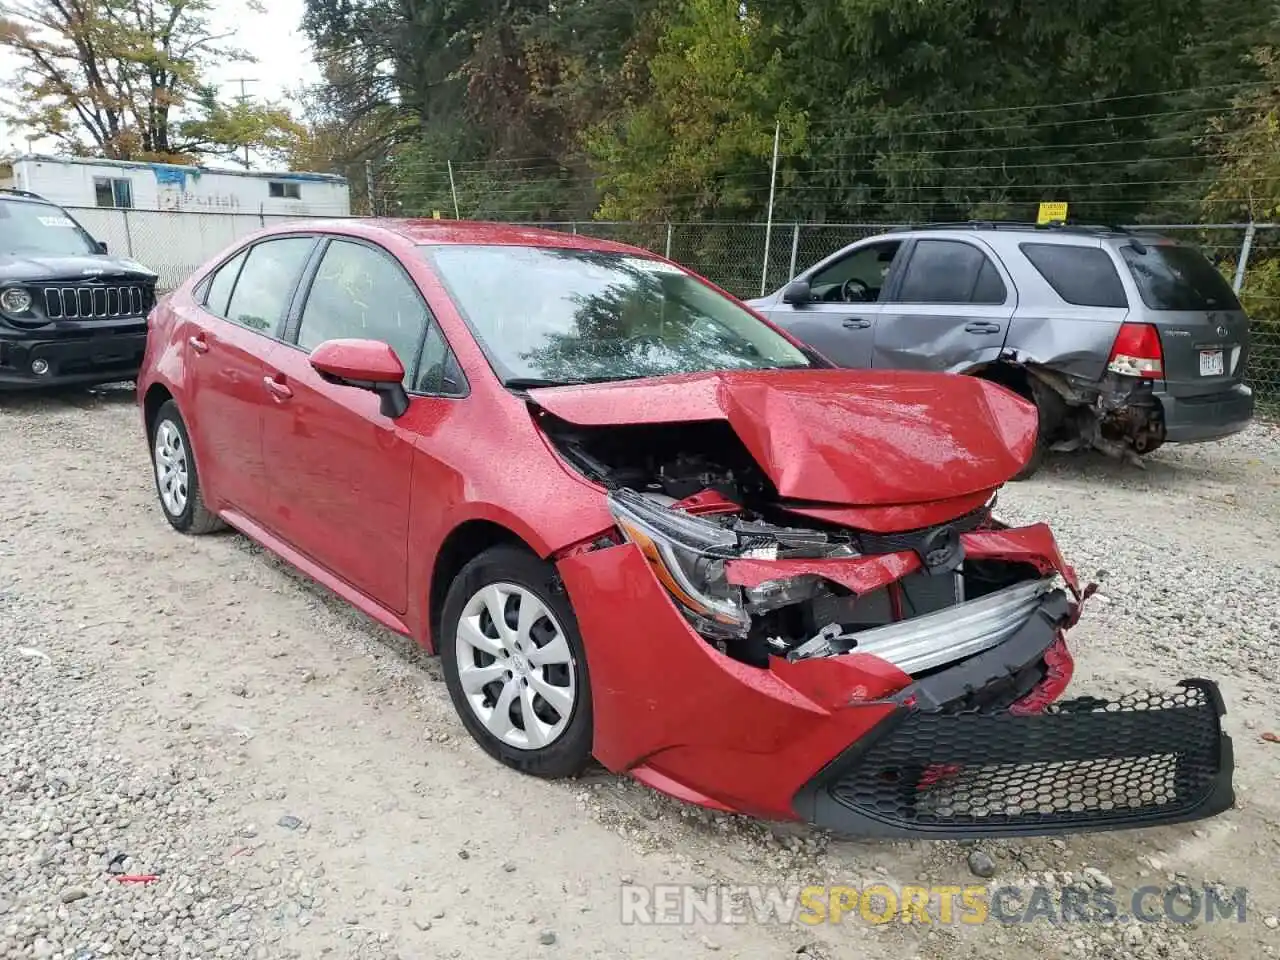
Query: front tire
(514, 663)
(177, 480)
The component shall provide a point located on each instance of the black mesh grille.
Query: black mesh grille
(1148, 757)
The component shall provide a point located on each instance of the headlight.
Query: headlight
(688, 556)
(15, 300)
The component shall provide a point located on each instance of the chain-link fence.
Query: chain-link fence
(747, 259)
(172, 243)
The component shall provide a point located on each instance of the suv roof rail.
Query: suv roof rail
(1013, 225)
(22, 193)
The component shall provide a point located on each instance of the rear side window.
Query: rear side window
(266, 282)
(1084, 276)
(219, 294)
(1172, 277)
(950, 271)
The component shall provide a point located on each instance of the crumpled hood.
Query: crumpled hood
(835, 436)
(83, 267)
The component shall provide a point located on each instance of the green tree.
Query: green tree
(702, 137)
(124, 79)
(1247, 187)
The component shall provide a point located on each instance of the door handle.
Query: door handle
(982, 327)
(198, 344)
(276, 388)
(856, 324)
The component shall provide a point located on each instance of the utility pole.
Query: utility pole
(368, 186)
(244, 98)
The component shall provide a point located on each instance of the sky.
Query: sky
(274, 38)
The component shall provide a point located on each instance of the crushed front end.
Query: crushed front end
(873, 669)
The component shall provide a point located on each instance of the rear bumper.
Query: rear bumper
(1209, 417)
(79, 360)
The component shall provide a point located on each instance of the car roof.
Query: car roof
(461, 232)
(9, 193)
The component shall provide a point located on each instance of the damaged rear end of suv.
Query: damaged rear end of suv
(807, 608)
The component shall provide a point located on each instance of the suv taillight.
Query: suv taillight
(1137, 352)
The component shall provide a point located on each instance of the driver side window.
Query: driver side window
(858, 278)
(363, 293)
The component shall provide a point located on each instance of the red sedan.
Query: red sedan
(640, 524)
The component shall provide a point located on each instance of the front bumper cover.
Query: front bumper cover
(945, 766)
(114, 355)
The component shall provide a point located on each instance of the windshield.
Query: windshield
(40, 230)
(564, 316)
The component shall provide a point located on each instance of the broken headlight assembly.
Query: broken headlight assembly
(688, 553)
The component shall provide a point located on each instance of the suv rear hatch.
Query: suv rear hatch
(1204, 332)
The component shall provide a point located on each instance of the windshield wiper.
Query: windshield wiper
(531, 383)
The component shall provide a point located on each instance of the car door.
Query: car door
(340, 470)
(229, 337)
(839, 319)
(948, 310)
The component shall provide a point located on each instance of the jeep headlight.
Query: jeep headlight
(15, 300)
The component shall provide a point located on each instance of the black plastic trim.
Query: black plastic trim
(1085, 730)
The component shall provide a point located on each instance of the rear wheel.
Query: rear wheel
(177, 481)
(514, 665)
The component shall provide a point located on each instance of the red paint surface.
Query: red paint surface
(847, 437)
(859, 574)
(369, 360)
(903, 516)
(366, 505)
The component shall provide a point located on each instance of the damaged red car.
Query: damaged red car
(639, 523)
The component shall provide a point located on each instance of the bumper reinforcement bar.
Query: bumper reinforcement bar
(1085, 764)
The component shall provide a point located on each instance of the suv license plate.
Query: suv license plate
(1211, 363)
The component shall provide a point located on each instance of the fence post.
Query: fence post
(795, 249)
(768, 230)
(262, 220)
(667, 253)
(1244, 257)
(128, 234)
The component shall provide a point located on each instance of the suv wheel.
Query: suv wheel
(514, 665)
(177, 480)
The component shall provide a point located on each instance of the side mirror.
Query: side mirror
(797, 292)
(367, 365)
(102, 246)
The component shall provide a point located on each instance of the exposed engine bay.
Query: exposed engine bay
(759, 580)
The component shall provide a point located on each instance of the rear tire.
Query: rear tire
(514, 663)
(173, 465)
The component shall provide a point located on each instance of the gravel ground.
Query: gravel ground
(204, 755)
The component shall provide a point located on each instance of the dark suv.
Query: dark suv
(1123, 341)
(69, 312)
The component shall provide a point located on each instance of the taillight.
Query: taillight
(1137, 352)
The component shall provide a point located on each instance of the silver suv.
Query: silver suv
(1124, 341)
